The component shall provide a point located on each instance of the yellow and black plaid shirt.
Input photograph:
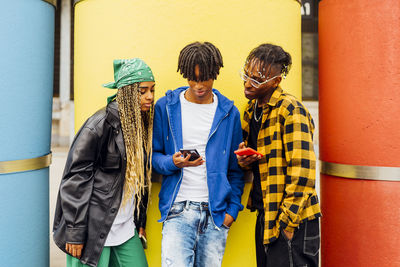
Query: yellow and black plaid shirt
(287, 171)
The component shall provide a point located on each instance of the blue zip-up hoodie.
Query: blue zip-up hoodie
(224, 177)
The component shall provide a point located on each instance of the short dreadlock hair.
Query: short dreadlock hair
(271, 56)
(205, 55)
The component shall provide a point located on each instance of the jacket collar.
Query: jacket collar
(113, 119)
(223, 102)
(174, 112)
(113, 115)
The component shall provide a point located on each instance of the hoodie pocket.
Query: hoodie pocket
(219, 190)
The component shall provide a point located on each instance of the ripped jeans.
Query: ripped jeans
(190, 238)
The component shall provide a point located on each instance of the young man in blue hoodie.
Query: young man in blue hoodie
(199, 198)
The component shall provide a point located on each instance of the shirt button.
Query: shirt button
(116, 131)
(102, 236)
(112, 210)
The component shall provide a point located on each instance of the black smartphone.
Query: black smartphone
(193, 153)
(144, 241)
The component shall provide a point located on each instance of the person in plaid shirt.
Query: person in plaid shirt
(278, 126)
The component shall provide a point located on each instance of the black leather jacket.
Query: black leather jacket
(91, 187)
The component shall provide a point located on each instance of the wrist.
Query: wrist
(228, 220)
(172, 165)
(226, 226)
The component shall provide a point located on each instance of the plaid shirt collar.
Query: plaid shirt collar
(272, 101)
(275, 96)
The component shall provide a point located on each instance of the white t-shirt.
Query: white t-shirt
(196, 125)
(123, 227)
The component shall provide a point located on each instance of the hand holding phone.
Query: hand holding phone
(246, 155)
(247, 152)
(187, 158)
(142, 237)
(193, 154)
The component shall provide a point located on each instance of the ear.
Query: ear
(277, 81)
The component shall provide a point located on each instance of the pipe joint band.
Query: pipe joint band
(361, 172)
(52, 2)
(22, 165)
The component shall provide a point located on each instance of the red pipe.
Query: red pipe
(360, 125)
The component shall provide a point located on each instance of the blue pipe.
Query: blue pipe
(26, 86)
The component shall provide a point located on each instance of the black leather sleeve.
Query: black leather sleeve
(77, 184)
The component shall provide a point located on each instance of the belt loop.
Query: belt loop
(187, 204)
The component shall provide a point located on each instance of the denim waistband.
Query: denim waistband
(193, 205)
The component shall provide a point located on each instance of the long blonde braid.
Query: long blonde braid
(137, 130)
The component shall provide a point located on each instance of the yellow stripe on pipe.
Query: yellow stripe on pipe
(22, 165)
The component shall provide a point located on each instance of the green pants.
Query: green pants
(128, 254)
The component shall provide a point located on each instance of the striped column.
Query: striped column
(26, 77)
(360, 132)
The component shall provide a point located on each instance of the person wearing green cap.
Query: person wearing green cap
(102, 202)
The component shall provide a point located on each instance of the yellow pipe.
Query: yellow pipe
(156, 31)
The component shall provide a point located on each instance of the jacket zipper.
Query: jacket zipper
(180, 178)
(170, 128)
(209, 203)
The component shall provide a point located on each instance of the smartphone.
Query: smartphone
(193, 153)
(144, 241)
(247, 152)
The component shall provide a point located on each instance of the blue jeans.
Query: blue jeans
(190, 237)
